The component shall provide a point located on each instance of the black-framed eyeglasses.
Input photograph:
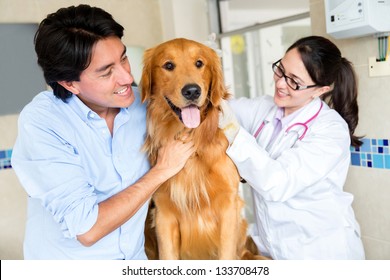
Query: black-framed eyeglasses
(289, 81)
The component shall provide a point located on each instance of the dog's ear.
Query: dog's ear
(217, 90)
(146, 77)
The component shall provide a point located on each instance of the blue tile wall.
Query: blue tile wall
(5, 159)
(374, 153)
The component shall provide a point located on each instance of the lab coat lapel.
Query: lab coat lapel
(304, 114)
(268, 128)
(284, 140)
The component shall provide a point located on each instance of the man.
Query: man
(78, 152)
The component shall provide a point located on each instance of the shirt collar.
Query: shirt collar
(279, 114)
(83, 111)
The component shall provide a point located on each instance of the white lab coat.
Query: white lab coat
(301, 210)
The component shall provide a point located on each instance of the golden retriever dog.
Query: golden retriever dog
(197, 212)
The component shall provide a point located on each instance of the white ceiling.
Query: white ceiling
(268, 4)
(242, 13)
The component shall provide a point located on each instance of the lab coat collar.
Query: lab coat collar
(303, 114)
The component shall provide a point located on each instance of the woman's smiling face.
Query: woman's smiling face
(288, 98)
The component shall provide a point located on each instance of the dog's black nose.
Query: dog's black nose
(191, 91)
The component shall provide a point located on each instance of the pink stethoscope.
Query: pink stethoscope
(286, 141)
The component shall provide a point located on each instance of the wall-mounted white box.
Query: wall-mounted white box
(356, 18)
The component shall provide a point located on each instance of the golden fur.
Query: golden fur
(197, 213)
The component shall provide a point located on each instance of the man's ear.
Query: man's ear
(69, 86)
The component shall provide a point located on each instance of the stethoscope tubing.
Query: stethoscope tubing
(295, 124)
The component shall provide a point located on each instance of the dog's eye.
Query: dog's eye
(199, 63)
(169, 66)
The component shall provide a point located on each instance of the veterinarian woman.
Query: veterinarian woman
(293, 150)
(78, 152)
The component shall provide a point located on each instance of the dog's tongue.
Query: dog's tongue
(190, 116)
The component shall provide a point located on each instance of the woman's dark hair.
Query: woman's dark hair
(64, 43)
(327, 67)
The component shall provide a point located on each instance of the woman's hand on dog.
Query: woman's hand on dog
(228, 122)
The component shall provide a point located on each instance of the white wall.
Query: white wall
(12, 198)
(187, 19)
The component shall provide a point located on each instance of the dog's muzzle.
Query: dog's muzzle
(189, 115)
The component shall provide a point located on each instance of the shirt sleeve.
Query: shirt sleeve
(48, 166)
(297, 168)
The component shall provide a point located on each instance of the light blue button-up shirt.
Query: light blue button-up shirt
(68, 162)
